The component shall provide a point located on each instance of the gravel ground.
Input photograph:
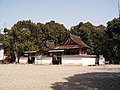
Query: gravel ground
(57, 77)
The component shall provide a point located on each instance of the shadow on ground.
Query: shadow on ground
(90, 81)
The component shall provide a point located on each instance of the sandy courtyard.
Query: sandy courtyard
(57, 77)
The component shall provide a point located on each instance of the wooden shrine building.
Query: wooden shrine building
(73, 46)
(73, 51)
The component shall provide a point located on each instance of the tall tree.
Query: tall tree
(113, 32)
(94, 36)
(26, 35)
(55, 32)
(99, 40)
(20, 37)
(84, 31)
(39, 38)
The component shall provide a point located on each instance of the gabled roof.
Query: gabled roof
(77, 40)
(77, 43)
(50, 44)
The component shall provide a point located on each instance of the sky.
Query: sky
(67, 12)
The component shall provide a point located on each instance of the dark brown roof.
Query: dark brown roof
(76, 44)
(78, 41)
(45, 49)
(50, 44)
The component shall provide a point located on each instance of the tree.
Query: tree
(94, 36)
(55, 32)
(113, 32)
(84, 30)
(99, 40)
(20, 37)
(40, 37)
(27, 36)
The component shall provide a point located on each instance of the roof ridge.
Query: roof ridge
(77, 40)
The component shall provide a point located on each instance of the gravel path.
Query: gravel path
(57, 77)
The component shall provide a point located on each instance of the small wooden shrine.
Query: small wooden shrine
(73, 46)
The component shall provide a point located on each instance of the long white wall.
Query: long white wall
(79, 60)
(23, 60)
(83, 60)
(43, 60)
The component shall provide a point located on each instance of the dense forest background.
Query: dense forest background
(26, 35)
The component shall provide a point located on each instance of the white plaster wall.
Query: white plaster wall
(67, 59)
(79, 60)
(23, 60)
(44, 60)
(88, 61)
(2, 54)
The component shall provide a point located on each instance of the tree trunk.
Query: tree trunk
(16, 56)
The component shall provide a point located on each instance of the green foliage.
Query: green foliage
(99, 39)
(94, 36)
(113, 32)
(16, 38)
(28, 36)
(55, 32)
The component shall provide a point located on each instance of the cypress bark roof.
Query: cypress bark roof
(73, 42)
(50, 44)
(77, 40)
